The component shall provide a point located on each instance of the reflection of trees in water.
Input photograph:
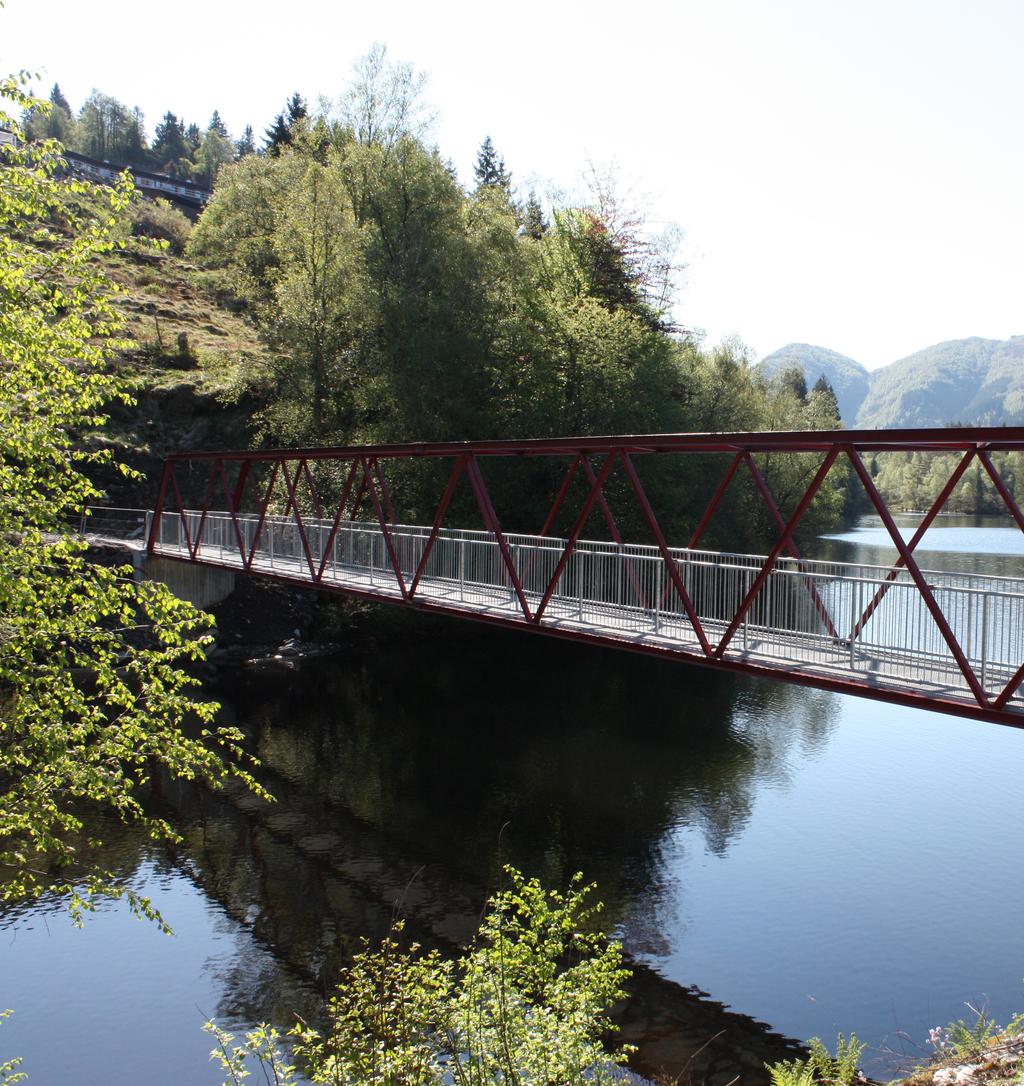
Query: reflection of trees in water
(308, 878)
(554, 757)
(406, 775)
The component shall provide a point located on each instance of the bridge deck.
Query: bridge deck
(620, 595)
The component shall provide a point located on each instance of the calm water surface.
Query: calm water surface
(818, 862)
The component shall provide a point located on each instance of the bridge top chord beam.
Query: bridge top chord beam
(992, 438)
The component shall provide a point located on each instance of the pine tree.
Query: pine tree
(829, 401)
(278, 136)
(169, 145)
(58, 99)
(297, 109)
(534, 224)
(247, 144)
(490, 168)
(282, 132)
(217, 125)
(193, 137)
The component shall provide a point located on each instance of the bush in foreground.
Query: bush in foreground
(527, 1002)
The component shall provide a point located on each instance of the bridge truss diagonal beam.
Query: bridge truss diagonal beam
(328, 518)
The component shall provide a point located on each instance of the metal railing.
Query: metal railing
(624, 590)
(114, 522)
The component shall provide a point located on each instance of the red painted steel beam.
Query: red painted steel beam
(923, 527)
(638, 593)
(158, 510)
(232, 510)
(597, 482)
(264, 506)
(922, 585)
(442, 509)
(780, 546)
(768, 498)
(291, 484)
(332, 535)
(385, 493)
(666, 556)
(994, 438)
(1004, 493)
(388, 541)
(483, 501)
(563, 490)
(716, 500)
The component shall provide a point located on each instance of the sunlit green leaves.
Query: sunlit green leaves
(94, 700)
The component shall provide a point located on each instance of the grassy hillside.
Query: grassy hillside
(849, 379)
(202, 372)
(974, 381)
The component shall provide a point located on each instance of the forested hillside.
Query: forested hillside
(973, 381)
(849, 379)
(977, 382)
(344, 286)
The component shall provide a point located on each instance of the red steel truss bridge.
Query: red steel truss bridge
(326, 517)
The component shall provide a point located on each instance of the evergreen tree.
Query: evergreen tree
(282, 132)
(169, 146)
(217, 125)
(278, 136)
(792, 379)
(247, 144)
(58, 123)
(825, 394)
(193, 137)
(490, 168)
(58, 99)
(534, 224)
(297, 109)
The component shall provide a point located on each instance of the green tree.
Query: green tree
(490, 168)
(215, 151)
(217, 125)
(94, 700)
(526, 1003)
(247, 144)
(107, 129)
(384, 102)
(169, 145)
(58, 101)
(296, 109)
(56, 123)
(534, 224)
(277, 136)
(828, 404)
(316, 248)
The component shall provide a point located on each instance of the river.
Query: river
(814, 861)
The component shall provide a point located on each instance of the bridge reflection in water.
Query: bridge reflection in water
(951, 642)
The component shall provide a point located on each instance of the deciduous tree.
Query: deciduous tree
(94, 700)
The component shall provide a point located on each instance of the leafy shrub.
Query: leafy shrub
(527, 1002)
(158, 219)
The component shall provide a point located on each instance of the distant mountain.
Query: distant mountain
(849, 379)
(978, 382)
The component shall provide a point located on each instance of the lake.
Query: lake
(817, 862)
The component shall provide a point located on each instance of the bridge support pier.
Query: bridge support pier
(203, 586)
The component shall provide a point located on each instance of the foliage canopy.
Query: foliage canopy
(94, 700)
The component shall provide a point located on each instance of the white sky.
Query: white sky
(846, 172)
